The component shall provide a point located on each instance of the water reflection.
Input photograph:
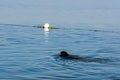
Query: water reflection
(46, 33)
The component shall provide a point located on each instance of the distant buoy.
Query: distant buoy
(46, 27)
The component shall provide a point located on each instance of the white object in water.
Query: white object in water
(46, 27)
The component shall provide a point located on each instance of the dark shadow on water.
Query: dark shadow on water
(97, 30)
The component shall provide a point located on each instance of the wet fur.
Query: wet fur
(65, 55)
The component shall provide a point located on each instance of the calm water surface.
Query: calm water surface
(28, 53)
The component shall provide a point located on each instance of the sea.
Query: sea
(88, 28)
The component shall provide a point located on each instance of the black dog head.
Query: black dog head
(64, 54)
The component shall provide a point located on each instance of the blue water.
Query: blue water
(28, 53)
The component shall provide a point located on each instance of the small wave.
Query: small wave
(114, 77)
(83, 59)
